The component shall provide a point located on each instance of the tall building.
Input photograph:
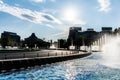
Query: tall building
(77, 36)
(106, 30)
(11, 36)
(73, 33)
(105, 34)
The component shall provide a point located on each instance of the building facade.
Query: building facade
(11, 38)
(77, 37)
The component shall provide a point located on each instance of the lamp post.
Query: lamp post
(35, 46)
(25, 45)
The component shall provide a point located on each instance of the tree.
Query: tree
(4, 42)
(11, 42)
(78, 42)
(62, 43)
(32, 40)
(116, 31)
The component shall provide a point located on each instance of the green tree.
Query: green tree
(11, 42)
(79, 41)
(4, 42)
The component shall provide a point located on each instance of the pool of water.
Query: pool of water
(88, 68)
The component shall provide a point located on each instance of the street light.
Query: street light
(35, 46)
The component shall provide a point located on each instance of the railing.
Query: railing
(35, 54)
(9, 64)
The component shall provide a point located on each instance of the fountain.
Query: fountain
(53, 46)
(72, 47)
(111, 52)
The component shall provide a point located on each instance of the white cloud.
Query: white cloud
(37, 1)
(50, 26)
(63, 34)
(26, 14)
(1, 2)
(104, 5)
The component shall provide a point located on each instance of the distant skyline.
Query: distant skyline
(51, 19)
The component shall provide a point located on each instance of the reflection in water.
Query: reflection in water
(89, 68)
(111, 50)
(70, 71)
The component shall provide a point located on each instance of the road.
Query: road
(42, 53)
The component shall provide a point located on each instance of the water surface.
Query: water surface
(88, 68)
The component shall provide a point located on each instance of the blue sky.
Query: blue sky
(51, 19)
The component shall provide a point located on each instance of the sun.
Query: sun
(70, 13)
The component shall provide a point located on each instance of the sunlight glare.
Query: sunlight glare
(70, 13)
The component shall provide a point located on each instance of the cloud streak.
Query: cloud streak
(40, 1)
(50, 26)
(37, 1)
(104, 5)
(26, 14)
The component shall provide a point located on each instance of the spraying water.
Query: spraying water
(111, 52)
